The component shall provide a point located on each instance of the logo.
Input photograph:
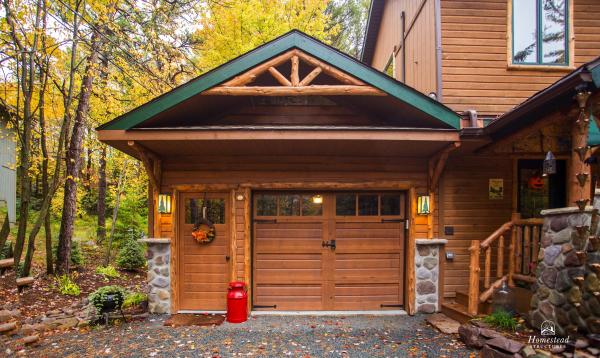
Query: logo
(548, 338)
(548, 329)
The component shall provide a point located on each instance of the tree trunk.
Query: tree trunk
(4, 232)
(101, 231)
(120, 185)
(65, 235)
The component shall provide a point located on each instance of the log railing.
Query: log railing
(523, 239)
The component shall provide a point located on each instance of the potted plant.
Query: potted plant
(108, 298)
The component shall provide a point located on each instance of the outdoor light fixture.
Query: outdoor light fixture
(317, 199)
(239, 197)
(549, 164)
(423, 205)
(164, 203)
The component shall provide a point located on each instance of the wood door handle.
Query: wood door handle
(227, 258)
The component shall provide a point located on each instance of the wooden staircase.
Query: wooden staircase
(523, 238)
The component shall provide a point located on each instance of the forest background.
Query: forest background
(67, 66)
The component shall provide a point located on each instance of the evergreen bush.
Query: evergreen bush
(131, 256)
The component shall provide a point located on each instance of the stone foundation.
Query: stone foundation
(427, 274)
(159, 276)
(567, 289)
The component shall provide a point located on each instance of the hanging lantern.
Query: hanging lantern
(549, 164)
(164, 203)
(423, 207)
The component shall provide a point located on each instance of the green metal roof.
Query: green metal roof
(291, 40)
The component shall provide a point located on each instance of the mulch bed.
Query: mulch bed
(43, 296)
(180, 320)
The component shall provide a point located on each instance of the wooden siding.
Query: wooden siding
(475, 72)
(420, 42)
(232, 171)
(467, 208)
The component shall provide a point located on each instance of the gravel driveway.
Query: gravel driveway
(262, 336)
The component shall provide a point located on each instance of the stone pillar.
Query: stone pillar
(427, 274)
(159, 275)
(567, 288)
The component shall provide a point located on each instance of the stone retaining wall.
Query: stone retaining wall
(159, 276)
(427, 274)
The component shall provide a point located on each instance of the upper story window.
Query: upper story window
(540, 32)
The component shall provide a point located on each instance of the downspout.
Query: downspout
(403, 49)
(438, 49)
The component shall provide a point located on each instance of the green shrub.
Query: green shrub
(131, 256)
(76, 254)
(109, 271)
(98, 297)
(502, 319)
(134, 299)
(66, 286)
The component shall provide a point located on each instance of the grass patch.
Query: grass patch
(502, 320)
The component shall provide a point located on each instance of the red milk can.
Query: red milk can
(237, 302)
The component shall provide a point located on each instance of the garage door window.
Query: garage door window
(289, 205)
(347, 204)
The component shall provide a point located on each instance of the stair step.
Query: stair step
(6, 263)
(456, 311)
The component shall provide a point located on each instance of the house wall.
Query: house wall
(420, 42)
(8, 172)
(466, 206)
(227, 174)
(475, 38)
(475, 60)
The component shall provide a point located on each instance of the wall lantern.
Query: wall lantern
(317, 199)
(423, 205)
(164, 203)
(549, 164)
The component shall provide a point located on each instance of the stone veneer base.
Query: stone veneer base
(427, 274)
(159, 277)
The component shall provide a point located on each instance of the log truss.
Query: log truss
(294, 86)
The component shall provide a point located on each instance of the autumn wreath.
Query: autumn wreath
(204, 231)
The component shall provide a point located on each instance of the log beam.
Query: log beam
(317, 90)
(435, 168)
(146, 157)
(330, 70)
(250, 75)
(295, 77)
(279, 77)
(310, 77)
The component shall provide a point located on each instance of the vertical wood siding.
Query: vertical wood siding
(420, 42)
(474, 55)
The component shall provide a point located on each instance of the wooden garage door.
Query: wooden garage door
(203, 268)
(296, 267)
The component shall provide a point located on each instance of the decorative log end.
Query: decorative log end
(581, 152)
(582, 178)
(582, 203)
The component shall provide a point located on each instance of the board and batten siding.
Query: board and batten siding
(260, 170)
(420, 42)
(475, 71)
(466, 206)
(8, 172)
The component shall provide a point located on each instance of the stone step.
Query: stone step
(25, 281)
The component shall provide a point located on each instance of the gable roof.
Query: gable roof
(291, 40)
(557, 95)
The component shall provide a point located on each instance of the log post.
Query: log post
(474, 278)
(500, 262)
(295, 77)
(488, 267)
(511, 257)
(579, 192)
(526, 248)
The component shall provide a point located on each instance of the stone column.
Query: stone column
(427, 274)
(567, 288)
(159, 275)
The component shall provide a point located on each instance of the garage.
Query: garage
(328, 250)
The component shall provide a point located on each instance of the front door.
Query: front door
(203, 267)
(328, 251)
